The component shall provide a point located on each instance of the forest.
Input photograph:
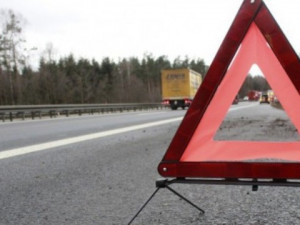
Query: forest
(69, 80)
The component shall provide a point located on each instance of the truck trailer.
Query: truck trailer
(253, 95)
(179, 87)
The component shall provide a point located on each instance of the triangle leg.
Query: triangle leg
(144, 205)
(185, 199)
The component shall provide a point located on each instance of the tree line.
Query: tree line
(77, 81)
(88, 81)
(257, 83)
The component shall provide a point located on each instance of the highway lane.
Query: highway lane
(27, 137)
(105, 180)
(22, 133)
(82, 183)
(19, 134)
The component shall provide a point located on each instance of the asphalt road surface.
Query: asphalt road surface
(100, 169)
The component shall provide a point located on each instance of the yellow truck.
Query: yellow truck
(179, 87)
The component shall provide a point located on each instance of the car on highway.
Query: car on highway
(264, 99)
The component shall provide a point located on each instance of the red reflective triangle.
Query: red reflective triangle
(202, 147)
(254, 37)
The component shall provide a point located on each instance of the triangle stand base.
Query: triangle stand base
(255, 183)
(165, 183)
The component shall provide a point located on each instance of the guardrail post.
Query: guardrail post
(10, 116)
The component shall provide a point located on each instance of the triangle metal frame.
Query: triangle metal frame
(171, 166)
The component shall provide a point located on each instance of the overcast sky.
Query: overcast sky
(119, 28)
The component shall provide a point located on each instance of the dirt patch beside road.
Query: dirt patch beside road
(262, 123)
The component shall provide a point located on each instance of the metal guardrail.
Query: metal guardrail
(33, 111)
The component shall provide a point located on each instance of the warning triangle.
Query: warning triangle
(253, 38)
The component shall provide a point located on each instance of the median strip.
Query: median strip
(54, 144)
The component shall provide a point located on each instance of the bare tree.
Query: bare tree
(11, 49)
(49, 52)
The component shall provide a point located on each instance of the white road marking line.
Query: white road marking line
(53, 144)
(151, 113)
(242, 107)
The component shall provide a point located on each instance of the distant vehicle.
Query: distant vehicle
(253, 95)
(246, 98)
(264, 98)
(271, 95)
(179, 87)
